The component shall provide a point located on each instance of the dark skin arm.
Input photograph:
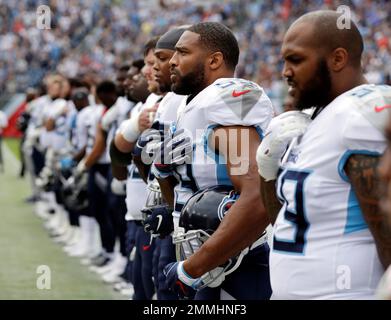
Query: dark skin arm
(143, 169)
(363, 175)
(50, 124)
(80, 155)
(167, 187)
(247, 219)
(270, 200)
(120, 173)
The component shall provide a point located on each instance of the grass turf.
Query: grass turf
(13, 145)
(25, 245)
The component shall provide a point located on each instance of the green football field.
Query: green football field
(25, 246)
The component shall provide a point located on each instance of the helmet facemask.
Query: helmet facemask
(188, 240)
(154, 196)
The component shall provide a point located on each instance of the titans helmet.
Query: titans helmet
(154, 195)
(157, 216)
(200, 217)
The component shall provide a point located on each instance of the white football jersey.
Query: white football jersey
(136, 194)
(322, 247)
(45, 138)
(136, 191)
(226, 102)
(60, 134)
(166, 115)
(124, 107)
(167, 111)
(72, 138)
(81, 134)
(87, 126)
(35, 109)
(150, 102)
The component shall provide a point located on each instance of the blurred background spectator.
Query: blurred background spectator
(92, 38)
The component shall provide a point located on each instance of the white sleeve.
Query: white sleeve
(109, 117)
(360, 136)
(232, 107)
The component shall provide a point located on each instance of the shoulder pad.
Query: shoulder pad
(373, 102)
(239, 95)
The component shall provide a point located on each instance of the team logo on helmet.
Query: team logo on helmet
(226, 204)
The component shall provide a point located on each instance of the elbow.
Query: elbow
(122, 145)
(49, 125)
(118, 157)
(255, 208)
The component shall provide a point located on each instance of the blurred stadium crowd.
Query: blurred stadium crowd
(93, 38)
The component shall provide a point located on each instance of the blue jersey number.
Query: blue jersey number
(295, 216)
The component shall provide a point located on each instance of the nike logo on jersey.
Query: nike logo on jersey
(236, 94)
(160, 218)
(380, 109)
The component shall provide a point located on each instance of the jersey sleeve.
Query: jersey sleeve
(361, 135)
(239, 102)
(363, 130)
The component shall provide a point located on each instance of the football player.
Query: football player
(384, 289)
(96, 162)
(220, 116)
(165, 115)
(330, 239)
(77, 145)
(120, 180)
(135, 187)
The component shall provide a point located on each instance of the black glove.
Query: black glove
(158, 220)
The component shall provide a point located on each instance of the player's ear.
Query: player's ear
(216, 59)
(338, 59)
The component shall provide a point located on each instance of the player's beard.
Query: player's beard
(317, 92)
(191, 83)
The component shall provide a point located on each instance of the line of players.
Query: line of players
(96, 216)
(150, 179)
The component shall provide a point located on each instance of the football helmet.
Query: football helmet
(46, 179)
(200, 217)
(154, 196)
(74, 192)
(157, 217)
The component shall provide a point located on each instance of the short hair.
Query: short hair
(170, 38)
(330, 37)
(139, 64)
(217, 37)
(150, 45)
(106, 86)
